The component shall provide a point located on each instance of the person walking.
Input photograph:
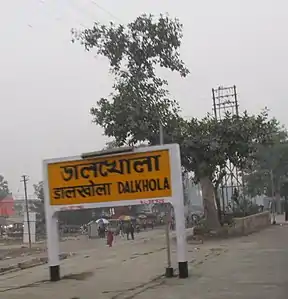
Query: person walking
(132, 229)
(137, 228)
(144, 224)
(110, 238)
(121, 229)
(127, 230)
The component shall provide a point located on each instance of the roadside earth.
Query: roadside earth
(117, 272)
(13, 254)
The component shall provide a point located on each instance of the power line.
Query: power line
(52, 9)
(80, 9)
(73, 5)
(105, 10)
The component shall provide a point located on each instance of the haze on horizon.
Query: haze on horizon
(49, 84)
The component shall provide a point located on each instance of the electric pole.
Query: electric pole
(25, 180)
(273, 205)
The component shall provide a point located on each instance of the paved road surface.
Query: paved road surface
(248, 268)
(12, 254)
(253, 267)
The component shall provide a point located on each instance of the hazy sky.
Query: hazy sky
(48, 84)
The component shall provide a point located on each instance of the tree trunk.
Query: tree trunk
(278, 198)
(278, 203)
(208, 196)
(218, 204)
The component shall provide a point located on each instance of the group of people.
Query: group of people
(146, 224)
(125, 228)
(101, 230)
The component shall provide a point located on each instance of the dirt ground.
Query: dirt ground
(14, 253)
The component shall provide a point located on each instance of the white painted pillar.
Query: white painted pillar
(178, 204)
(32, 222)
(53, 245)
(52, 231)
(181, 240)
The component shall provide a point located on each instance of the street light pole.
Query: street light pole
(169, 270)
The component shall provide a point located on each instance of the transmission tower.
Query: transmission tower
(225, 101)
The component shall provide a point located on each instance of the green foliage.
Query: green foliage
(243, 207)
(38, 205)
(4, 189)
(270, 165)
(140, 100)
(39, 191)
(140, 97)
(209, 144)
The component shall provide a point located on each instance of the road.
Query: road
(253, 267)
(16, 253)
(249, 267)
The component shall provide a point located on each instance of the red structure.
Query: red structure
(7, 206)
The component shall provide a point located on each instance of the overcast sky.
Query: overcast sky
(48, 84)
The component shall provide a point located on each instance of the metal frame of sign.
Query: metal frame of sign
(176, 200)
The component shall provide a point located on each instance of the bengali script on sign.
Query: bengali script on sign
(126, 177)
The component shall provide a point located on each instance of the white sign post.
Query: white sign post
(121, 177)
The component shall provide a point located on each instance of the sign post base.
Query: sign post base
(169, 272)
(183, 269)
(54, 273)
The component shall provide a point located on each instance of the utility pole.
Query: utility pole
(273, 205)
(25, 180)
(169, 269)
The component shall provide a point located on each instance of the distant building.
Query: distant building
(119, 211)
(20, 206)
(7, 206)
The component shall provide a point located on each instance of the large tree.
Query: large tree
(140, 98)
(207, 145)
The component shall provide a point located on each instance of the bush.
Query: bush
(242, 207)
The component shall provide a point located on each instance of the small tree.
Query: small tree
(269, 168)
(4, 189)
(38, 206)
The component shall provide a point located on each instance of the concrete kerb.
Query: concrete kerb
(30, 263)
(241, 227)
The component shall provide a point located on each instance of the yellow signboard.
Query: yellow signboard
(132, 176)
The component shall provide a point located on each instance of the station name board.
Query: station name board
(131, 176)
